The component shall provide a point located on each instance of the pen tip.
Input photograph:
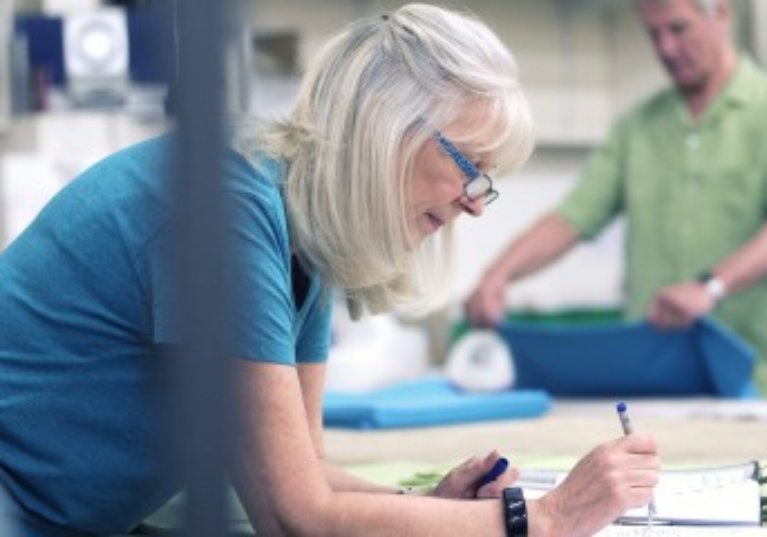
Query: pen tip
(621, 407)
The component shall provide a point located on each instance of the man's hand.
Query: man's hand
(487, 304)
(678, 306)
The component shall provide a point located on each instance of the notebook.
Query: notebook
(720, 496)
(681, 531)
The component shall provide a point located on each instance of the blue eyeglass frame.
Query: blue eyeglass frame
(471, 172)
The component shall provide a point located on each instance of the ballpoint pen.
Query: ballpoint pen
(628, 429)
(498, 468)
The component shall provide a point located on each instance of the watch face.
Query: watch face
(716, 288)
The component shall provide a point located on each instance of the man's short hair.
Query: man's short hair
(705, 6)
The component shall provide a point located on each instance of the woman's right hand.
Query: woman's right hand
(614, 477)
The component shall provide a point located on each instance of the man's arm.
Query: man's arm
(542, 244)
(679, 305)
(746, 266)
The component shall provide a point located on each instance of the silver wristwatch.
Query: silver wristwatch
(713, 285)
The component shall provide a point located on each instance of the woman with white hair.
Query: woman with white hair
(397, 123)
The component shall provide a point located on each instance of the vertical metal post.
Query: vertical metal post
(202, 366)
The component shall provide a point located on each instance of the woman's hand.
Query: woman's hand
(463, 481)
(614, 477)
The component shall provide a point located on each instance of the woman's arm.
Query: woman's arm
(460, 483)
(283, 486)
(312, 380)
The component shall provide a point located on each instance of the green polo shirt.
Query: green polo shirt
(693, 193)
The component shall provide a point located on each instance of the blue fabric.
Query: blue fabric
(631, 359)
(429, 402)
(85, 303)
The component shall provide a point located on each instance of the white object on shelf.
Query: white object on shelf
(96, 55)
(481, 362)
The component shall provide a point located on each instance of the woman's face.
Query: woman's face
(436, 189)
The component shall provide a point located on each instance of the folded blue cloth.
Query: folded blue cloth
(426, 402)
(631, 359)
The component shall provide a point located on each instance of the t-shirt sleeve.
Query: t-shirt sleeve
(314, 339)
(599, 194)
(262, 314)
(263, 311)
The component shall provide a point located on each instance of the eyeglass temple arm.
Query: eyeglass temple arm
(467, 167)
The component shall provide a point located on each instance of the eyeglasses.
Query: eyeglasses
(478, 184)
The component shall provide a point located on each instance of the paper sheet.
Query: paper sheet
(681, 531)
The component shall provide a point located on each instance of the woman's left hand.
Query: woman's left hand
(463, 481)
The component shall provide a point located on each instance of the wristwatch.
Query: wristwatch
(514, 512)
(713, 285)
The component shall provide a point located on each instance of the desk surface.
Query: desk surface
(697, 432)
(688, 431)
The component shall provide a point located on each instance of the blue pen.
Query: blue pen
(498, 468)
(628, 429)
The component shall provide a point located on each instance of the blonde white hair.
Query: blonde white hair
(366, 106)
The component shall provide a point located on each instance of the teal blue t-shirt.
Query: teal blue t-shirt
(84, 312)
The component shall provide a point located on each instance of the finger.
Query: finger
(486, 463)
(641, 478)
(638, 443)
(494, 489)
(667, 317)
(484, 314)
(474, 309)
(659, 314)
(639, 496)
(678, 318)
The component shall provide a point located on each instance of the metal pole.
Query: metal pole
(202, 367)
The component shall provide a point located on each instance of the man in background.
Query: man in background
(688, 167)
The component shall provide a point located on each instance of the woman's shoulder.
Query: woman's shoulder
(256, 175)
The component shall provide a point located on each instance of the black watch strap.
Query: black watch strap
(514, 512)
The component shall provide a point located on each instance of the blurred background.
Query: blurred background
(82, 78)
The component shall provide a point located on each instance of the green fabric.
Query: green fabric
(693, 192)
(569, 317)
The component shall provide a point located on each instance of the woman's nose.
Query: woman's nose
(475, 207)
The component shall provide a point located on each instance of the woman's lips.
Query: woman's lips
(434, 221)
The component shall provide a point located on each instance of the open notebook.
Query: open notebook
(682, 531)
(723, 496)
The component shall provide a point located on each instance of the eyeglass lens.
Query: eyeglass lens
(480, 187)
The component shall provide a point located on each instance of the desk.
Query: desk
(697, 431)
